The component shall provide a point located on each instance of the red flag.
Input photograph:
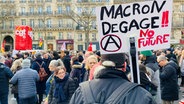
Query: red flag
(90, 47)
(3, 46)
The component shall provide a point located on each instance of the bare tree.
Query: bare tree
(84, 19)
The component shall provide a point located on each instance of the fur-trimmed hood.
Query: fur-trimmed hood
(77, 66)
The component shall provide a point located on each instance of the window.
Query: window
(40, 10)
(60, 23)
(23, 10)
(40, 23)
(48, 0)
(23, 21)
(40, 36)
(60, 35)
(49, 10)
(93, 37)
(49, 23)
(59, 9)
(32, 22)
(79, 37)
(93, 10)
(182, 8)
(69, 36)
(68, 9)
(31, 10)
(79, 10)
(93, 24)
(11, 24)
(22, 1)
(4, 24)
(12, 12)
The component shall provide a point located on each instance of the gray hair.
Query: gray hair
(57, 63)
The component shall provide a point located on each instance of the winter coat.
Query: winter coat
(150, 62)
(47, 62)
(69, 88)
(107, 81)
(26, 79)
(40, 85)
(169, 82)
(76, 71)
(5, 75)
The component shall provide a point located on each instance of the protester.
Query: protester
(66, 60)
(75, 74)
(62, 87)
(16, 66)
(26, 79)
(52, 67)
(90, 62)
(110, 80)
(5, 75)
(181, 63)
(168, 79)
(40, 85)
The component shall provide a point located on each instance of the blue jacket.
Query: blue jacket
(26, 79)
(5, 75)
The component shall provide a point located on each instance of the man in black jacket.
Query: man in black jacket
(5, 75)
(109, 86)
(168, 80)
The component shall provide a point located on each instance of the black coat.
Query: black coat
(108, 80)
(69, 88)
(169, 82)
(40, 85)
(5, 75)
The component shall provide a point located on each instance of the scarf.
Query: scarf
(59, 85)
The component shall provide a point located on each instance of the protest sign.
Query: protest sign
(150, 21)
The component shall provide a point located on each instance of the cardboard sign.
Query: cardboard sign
(149, 22)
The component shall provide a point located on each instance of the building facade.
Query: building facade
(72, 22)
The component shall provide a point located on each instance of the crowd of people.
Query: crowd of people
(88, 77)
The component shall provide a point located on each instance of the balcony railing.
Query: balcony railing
(54, 26)
(7, 1)
(50, 37)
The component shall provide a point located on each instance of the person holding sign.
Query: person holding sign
(111, 86)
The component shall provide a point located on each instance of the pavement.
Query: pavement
(12, 100)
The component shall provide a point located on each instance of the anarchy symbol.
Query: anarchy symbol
(110, 43)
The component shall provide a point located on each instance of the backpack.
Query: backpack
(120, 93)
(42, 73)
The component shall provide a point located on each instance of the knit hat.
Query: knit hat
(146, 53)
(38, 54)
(117, 58)
(26, 63)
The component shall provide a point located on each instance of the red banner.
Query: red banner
(23, 38)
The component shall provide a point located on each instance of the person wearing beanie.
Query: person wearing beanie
(110, 84)
(149, 60)
(26, 80)
(40, 85)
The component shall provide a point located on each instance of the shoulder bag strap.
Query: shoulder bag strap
(87, 93)
(120, 92)
(39, 64)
